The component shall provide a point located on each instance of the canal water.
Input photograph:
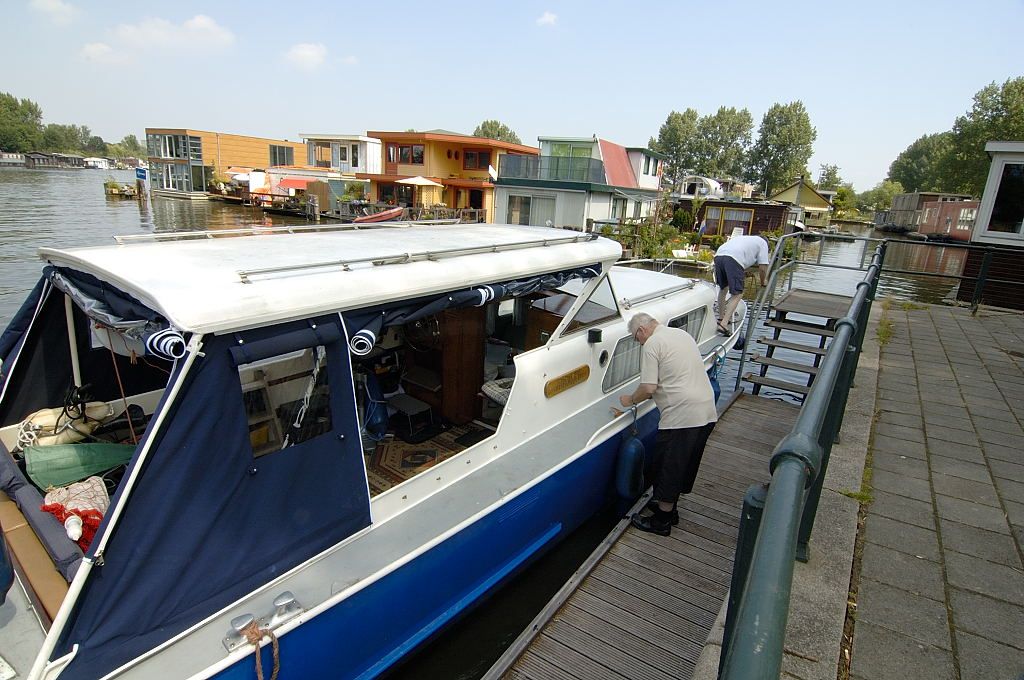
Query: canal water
(67, 208)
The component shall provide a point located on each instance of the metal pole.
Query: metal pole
(69, 315)
(750, 523)
(979, 284)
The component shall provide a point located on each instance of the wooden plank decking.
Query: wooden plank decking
(648, 603)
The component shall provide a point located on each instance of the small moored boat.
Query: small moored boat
(298, 442)
(382, 216)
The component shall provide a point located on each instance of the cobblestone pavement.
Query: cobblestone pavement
(941, 589)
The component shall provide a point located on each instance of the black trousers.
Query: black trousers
(677, 455)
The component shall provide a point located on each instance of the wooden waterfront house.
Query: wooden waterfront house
(578, 180)
(948, 220)
(906, 208)
(10, 159)
(463, 165)
(1000, 224)
(722, 216)
(809, 205)
(183, 162)
(41, 159)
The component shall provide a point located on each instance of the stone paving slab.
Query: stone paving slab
(902, 537)
(989, 545)
(971, 513)
(907, 572)
(965, 489)
(993, 619)
(981, 576)
(983, 659)
(888, 655)
(916, 617)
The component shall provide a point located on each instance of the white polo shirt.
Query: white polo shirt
(672, 361)
(747, 250)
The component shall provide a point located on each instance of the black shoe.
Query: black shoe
(652, 507)
(652, 524)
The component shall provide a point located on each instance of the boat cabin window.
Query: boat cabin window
(599, 307)
(287, 399)
(692, 322)
(625, 364)
(1008, 207)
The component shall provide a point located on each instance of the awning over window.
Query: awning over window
(293, 183)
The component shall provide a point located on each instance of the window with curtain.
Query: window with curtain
(518, 210)
(734, 218)
(624, 364)
(691, 322)
(618, 208)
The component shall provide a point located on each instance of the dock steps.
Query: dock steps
(795, 346)
(780, 363)
(801, 327)
(778, 384)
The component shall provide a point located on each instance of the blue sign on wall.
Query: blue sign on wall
(140, 173)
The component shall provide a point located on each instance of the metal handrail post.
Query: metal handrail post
(750, 525)
(979, 284)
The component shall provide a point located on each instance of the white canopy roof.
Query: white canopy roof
(196, 284)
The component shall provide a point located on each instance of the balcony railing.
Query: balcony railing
(558, 168)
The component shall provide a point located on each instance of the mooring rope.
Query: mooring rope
(254, 634)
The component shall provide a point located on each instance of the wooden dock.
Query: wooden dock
(642, 605)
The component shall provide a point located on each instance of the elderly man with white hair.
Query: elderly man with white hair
(672, 373)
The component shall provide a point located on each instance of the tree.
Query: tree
(921, 166)
(880, 197)
(21, 123)
(828, 177)
(66, 138)
(495, 129)
(95, 145)
(845, 200)
(677, 139)
(723, 141)
(132, 146)
(997, 114)
(784, 145)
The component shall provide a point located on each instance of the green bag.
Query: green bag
(64, 464)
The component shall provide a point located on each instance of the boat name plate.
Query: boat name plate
(576, 376)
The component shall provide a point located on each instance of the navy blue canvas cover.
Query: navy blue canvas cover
(15, 331)
(207, 522)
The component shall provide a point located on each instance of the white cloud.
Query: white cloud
(100, 53)
(307, 56)
(198, 33)
(59, 11)
(547, 19)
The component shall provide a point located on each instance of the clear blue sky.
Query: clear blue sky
(873, 75)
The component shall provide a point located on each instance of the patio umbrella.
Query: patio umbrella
(419, 181)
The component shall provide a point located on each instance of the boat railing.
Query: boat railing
(404, 258)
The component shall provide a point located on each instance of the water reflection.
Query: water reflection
(67, 208)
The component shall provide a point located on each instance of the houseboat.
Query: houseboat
(327, 443)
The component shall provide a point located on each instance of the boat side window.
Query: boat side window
(599, 307)
(692, 322)
(1008, 208)
(286, 398)
(625, 364)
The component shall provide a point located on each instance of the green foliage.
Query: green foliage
(828, 177)
(111, 183)
(715, 242)
(677, 140)
(845, 200)
(997, 114)
(785, 142)
(132, 146)
(495, 129)
(723, 141)
(682, 219)
(715, 145)
(21, 123)
(921, 166)
(354, 191)
(880, 197)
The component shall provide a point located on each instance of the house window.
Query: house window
(618, 208)
(1008, 207)
(533, 210)
(282, 155)
(195, 149)
(409, 154)
(713, 217)
(654, 167)
(966, 219)
(637, 207)
(343, 154)
(476, 160)
(737, 218)
(355, 155)
(647, 165)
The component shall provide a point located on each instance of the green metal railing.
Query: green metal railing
(763, 570)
